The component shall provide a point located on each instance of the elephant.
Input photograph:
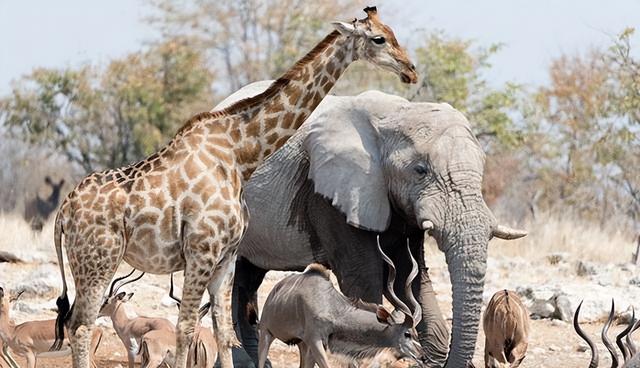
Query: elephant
(362, 168)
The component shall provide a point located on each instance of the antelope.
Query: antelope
(131, 331)
(31, 340)
(203, 350)
(506, 329)
(306, 309)
(38, 210)
(629, 351)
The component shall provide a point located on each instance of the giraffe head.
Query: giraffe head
(375, 42)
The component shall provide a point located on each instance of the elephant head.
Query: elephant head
(376, 153)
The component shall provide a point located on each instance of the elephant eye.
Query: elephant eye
(421, 169)
(378, 40)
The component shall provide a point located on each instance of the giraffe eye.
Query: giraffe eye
(378, 40)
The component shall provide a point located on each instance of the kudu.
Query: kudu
(306, 309)
(203, 349)
(629, 350)
(38, 210)
(132, 331)
(506, 328)
(31, 340)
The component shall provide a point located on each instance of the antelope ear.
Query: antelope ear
(383, 315)
(344, 28)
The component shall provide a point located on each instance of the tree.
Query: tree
(582, 143)
(249, 40)
(452, 72)
(109, 118)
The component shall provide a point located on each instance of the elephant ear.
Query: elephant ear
(345, 166)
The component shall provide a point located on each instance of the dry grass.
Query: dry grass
(565, 234)
(17, 236)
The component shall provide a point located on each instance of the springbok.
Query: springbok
(629, 351)
(306, 309)
(132, 330)
(31, 340)
(506, 329)
(203, 349)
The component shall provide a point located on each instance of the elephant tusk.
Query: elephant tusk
(507, 233)
(427, 225)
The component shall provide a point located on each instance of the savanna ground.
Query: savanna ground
(526, 262)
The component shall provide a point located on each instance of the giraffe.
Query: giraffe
(182, 209)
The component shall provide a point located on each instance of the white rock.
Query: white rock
(168, 302)
(564, 309)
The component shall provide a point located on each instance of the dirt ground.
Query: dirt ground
(553, 343)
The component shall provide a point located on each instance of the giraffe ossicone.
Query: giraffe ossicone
(181, 208)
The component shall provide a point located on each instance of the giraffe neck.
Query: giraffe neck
(288, 102)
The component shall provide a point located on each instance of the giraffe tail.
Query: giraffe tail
(63, 301)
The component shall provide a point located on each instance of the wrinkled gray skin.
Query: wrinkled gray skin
(367, 165)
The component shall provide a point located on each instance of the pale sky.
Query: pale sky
(59, 33)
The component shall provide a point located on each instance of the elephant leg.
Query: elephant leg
(362, 280)
(433, 331)
(245, 312)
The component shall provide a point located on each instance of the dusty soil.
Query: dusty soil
(553, 343)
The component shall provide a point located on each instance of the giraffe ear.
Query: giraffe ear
(345, 166)
(345, 28)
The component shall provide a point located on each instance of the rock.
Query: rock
(167, 301)
(542, 308)
(563, 308)
(582, 348)
(554, 348)
(8, 257)
(635, 281)
(41, 283)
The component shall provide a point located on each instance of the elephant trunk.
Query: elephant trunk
(467, 263)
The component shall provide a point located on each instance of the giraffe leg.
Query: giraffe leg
(220, 292)
(197, 275)
(93, 264)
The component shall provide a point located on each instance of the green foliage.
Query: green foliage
(452, 71)
(108, 118)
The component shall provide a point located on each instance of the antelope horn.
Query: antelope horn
(621, 335)
(129, 281)
(391, 278)
(594, 351)
(17, 296)
(630, 344)
(116, 280)
(507, 233)
(605, 338)
(408, 290)
(202, 312)
(178, 300)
